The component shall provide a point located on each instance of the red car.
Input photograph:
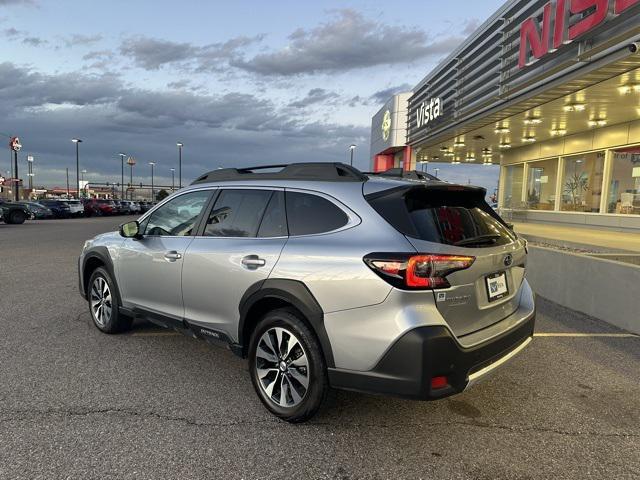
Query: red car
(99, 207)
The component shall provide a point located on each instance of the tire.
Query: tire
(17, 218)
(271, 374)
(104, 305)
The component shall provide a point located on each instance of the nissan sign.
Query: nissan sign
(564, 21)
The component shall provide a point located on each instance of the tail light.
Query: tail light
(417, 272)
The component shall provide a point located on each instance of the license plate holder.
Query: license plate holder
(497, 286)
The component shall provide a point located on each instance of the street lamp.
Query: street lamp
(173, 179)
(153, 195)
(30, 174)
(131, 162)
(180, 145)
(122, 155)
(83, 171)
(77, 141)
(352, 147)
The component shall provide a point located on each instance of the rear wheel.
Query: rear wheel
(104, 305)
(287, 367)
(17, 217)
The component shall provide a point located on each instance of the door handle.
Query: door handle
(253, 261)
(172, 256)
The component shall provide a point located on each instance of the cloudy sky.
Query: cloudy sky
(240, 83)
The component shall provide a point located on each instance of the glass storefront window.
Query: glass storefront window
(582, 182)
(624, 189)
(513, 186)
(541, 184)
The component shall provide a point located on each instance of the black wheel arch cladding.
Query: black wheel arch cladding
(292, 292)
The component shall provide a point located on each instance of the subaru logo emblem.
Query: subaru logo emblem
(508, 260)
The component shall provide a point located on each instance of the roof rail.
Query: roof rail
(410, 174)
(323, 171)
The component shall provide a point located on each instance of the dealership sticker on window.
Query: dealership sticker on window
(442, 296)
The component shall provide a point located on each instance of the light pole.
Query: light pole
(77, 141)
(131, 162)
(30, 174)
(153, 195)
(122, 155)
(180, 145)
(352, 147)
(67, 182)
(173, 180)
(84, 187)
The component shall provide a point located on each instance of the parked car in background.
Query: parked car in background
(122, 207)
(145, 206)
(99, 207)
(14, 212)
(59, 208)
(76, 208)
(134, 207)
(39, 211)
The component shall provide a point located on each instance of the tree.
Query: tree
(162, 194)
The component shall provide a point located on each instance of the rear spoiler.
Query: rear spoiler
(398, 194)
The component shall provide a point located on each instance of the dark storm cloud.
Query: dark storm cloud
(347, 42)
(152, 53)
(20, 87)
(383, 95)
(218, 130)
(315, 95)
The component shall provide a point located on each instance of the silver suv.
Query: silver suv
(323, 277)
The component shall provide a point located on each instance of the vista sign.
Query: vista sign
(428, 111)
(557, 29)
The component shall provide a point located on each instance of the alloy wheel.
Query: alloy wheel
(101, 305)
(282, 367)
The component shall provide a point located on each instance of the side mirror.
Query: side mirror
(130, 230)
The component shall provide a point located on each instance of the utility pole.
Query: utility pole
(67, 182)
(122, 155)
(180, 145)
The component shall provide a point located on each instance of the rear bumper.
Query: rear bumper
(425, 352)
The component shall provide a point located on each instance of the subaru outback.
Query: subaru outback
(323, 277)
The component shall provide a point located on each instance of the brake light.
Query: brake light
(424, 271)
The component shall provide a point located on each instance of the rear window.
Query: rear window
(451, 217)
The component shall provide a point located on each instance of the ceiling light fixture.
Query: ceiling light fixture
(502, 129)
(597, 122)
(574, 107)
(630, 88)
(529, 139)
(558, 132)
(532, 121)
(504, 145)
(458, 143)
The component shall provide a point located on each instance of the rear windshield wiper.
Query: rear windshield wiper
(480, 239)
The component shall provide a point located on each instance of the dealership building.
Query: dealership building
(550, 91)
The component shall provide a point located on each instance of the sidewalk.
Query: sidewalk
(583, 238)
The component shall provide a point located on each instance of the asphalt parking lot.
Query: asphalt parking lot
(75, 403)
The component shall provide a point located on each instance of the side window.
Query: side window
(308, 214)
(178, 216)
(237, 213)
(274, 221)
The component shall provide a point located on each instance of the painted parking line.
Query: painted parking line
(580, 335)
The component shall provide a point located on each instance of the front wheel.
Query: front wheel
(287, 367)
(104, 305)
